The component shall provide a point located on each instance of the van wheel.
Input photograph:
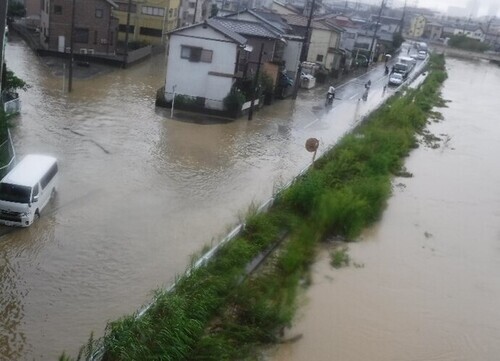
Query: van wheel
(37, 214)
(53, 193)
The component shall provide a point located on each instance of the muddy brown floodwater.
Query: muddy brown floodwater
(139, 192)
(426, 282)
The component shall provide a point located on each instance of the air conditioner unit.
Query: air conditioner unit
(68, 49)
(83, 51)
(90, 51)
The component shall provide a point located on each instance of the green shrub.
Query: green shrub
(234, 101)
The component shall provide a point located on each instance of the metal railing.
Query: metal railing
(9, 145)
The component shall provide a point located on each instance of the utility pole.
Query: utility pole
(402, 23)
(129, 9)
(304, 51)
(3, 20)
(195, 11)
(376, 30)
(255, 83)
(71, 45)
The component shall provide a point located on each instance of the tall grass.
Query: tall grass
(212, 314)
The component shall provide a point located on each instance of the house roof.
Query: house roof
(217, 27)
(248, 28)
(331, 24)
(385, 19)
(273, 19)
(301, 20)
(287, 6)
(112, 3)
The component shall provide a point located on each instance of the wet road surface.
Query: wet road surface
(139, 193)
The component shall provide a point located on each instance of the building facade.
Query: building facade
(150, 20)
(95, 28)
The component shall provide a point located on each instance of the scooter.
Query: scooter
(329, 99)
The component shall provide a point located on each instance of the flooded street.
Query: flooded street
(423, 283)
(139, 193)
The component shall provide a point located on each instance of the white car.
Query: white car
(421, 55)
(396, 79)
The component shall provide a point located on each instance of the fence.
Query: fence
(11, 103)
(7, 155)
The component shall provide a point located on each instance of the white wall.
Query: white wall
(291, 55)
(320, 40)
(192, 78)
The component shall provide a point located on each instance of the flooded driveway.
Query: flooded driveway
(423, 283)
(139, 193)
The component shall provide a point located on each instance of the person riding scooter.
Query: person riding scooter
(330, 95)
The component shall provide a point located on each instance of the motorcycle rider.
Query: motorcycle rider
(330, 95)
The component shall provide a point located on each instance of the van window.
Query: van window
(35, 192)
(14, 193)
(49, 175)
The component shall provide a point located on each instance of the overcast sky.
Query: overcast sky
(443, 4)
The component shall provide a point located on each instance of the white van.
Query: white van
(27, 189)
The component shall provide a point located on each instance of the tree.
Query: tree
(11, 83)
(16, 9)
(397, 40)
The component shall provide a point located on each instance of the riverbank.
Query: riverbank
(212, 314)
(423, 281)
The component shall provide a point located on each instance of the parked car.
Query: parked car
(396, 79)
(421, 55)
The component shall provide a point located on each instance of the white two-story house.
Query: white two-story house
(202, 62)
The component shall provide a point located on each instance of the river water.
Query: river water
(139, 192)
(424, 283)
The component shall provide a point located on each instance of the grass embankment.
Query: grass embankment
(214, 314)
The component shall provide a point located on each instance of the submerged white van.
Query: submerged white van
(27, 189)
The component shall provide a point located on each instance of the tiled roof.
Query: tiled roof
(301, 20)
(248, 28)
(216, 26)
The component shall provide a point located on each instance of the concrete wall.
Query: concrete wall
(291, 55)
(320, 40)
(213, 80)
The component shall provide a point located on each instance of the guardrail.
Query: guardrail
(12, 154)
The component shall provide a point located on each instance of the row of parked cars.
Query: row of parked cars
(404, 66)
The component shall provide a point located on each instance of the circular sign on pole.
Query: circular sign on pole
(312, 145)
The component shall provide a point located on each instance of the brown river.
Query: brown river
(139, 192)
(424, 282)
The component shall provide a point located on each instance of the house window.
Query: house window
(206, 56)
(82, 35)
(170, 13)
(193, 54)
(57, 10)
(153, 11)
(196, 54)
(192, 5)
(319, 57)
(98, 13)
(150, 32)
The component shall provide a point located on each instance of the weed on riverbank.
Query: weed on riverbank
(217, 312)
